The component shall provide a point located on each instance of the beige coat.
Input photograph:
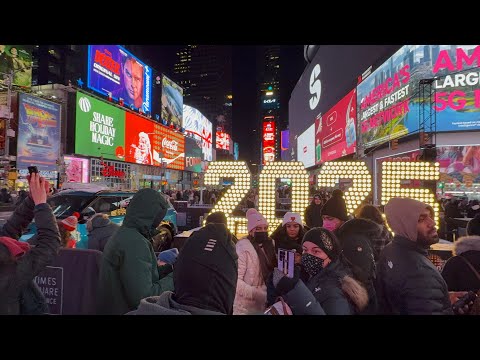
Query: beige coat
(251, 294)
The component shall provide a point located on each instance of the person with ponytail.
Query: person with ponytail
(256, 261)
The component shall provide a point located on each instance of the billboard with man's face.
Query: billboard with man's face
(113, 70)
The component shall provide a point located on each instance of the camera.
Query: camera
(464, 300)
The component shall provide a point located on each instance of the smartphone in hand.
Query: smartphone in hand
(32, 169)
(286, 261)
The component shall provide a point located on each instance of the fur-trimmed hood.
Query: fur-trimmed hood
(355, 291)
(466, 243)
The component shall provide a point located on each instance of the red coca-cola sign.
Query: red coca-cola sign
(109, 171)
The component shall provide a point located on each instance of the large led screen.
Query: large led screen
(305, 147)
(198, 126)
(172, 102)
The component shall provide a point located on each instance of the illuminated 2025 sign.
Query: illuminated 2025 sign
(392, 175)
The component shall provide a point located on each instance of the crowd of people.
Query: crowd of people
(341, 264)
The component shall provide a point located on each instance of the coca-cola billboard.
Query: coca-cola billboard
(169, 147)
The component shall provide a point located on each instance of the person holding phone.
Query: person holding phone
(256, 261)
(21, 262)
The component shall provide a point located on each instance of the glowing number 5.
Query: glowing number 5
(332, 172)
(237, 191)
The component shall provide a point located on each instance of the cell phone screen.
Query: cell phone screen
(286, 261)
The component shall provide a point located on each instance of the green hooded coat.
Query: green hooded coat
(129, 270)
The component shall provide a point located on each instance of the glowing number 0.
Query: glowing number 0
(232, 197)
(294, 171)
(357, 171)
(395, 171)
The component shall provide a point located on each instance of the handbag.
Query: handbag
(279, 308)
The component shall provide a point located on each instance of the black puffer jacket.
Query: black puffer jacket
(18, 293)
(313, 215)
(408, 283)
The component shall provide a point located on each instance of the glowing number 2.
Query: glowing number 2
(295, 171)
(357, 171)
(237, 191)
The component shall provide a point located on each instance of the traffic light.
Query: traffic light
(441, 185)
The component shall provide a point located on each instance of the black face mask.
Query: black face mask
(312, 264)
(260, 237)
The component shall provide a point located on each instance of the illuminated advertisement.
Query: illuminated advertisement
(305, 147)
(169, 147)
(193, 155)
(223, 140)
(459, 164)
(16, 58)
(99, 128)
(139, 140)
(38, 133)
(335, 131)
(269, 102)
(235, 151)
(114, 70)
(268, 143)
(390, 98)
(172, 102)
(76, 169)
(200, 127)
(285, 145)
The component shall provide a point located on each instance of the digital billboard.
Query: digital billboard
(99, 128)
(193, 155)
(38, 133)
(268, 144)
(172, 102)
(332, 73)
(335, 131)
(112, 69)
(139, 139)
(390, 99)
(223, 140)
(76, 169)
(459, 164)
(200, 127)
(305, 147)
(16, 58)
(169, 147)
(285, 145)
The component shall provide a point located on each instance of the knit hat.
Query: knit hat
(205, 273)
(15, 247)
(168, 256)
(217, 217)
(254, 219)
(292, 217)
(335, 206)
(325, 240)
(473, 226)
(318, 196)
(70, 223)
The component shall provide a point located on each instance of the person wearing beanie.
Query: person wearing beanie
(313, 212)
(378, 241)
(323, 284)
(66, 237)
(256, 260)
(356, 237)
(20, 262)
(334, 212)
(204, 275)
(217, 217)
(100, 229)
(70, 223)
(462, 271)
(407, 281)
(129, 270)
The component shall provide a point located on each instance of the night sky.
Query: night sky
(244, 87)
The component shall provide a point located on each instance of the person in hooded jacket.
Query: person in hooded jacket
(256, 260)
(407, 281)
(100, 229)
(378, 241)
(462, 271)
(355, 237)
(326, 285)
(204, 276)
(20, 262)
(129, 270)
(313, 212)
(334, 212)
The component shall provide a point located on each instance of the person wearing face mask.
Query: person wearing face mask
(327, 286)
(129, 270)
(334, 212)
(256, 260)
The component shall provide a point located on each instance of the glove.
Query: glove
(283, 284)
(168, 256)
